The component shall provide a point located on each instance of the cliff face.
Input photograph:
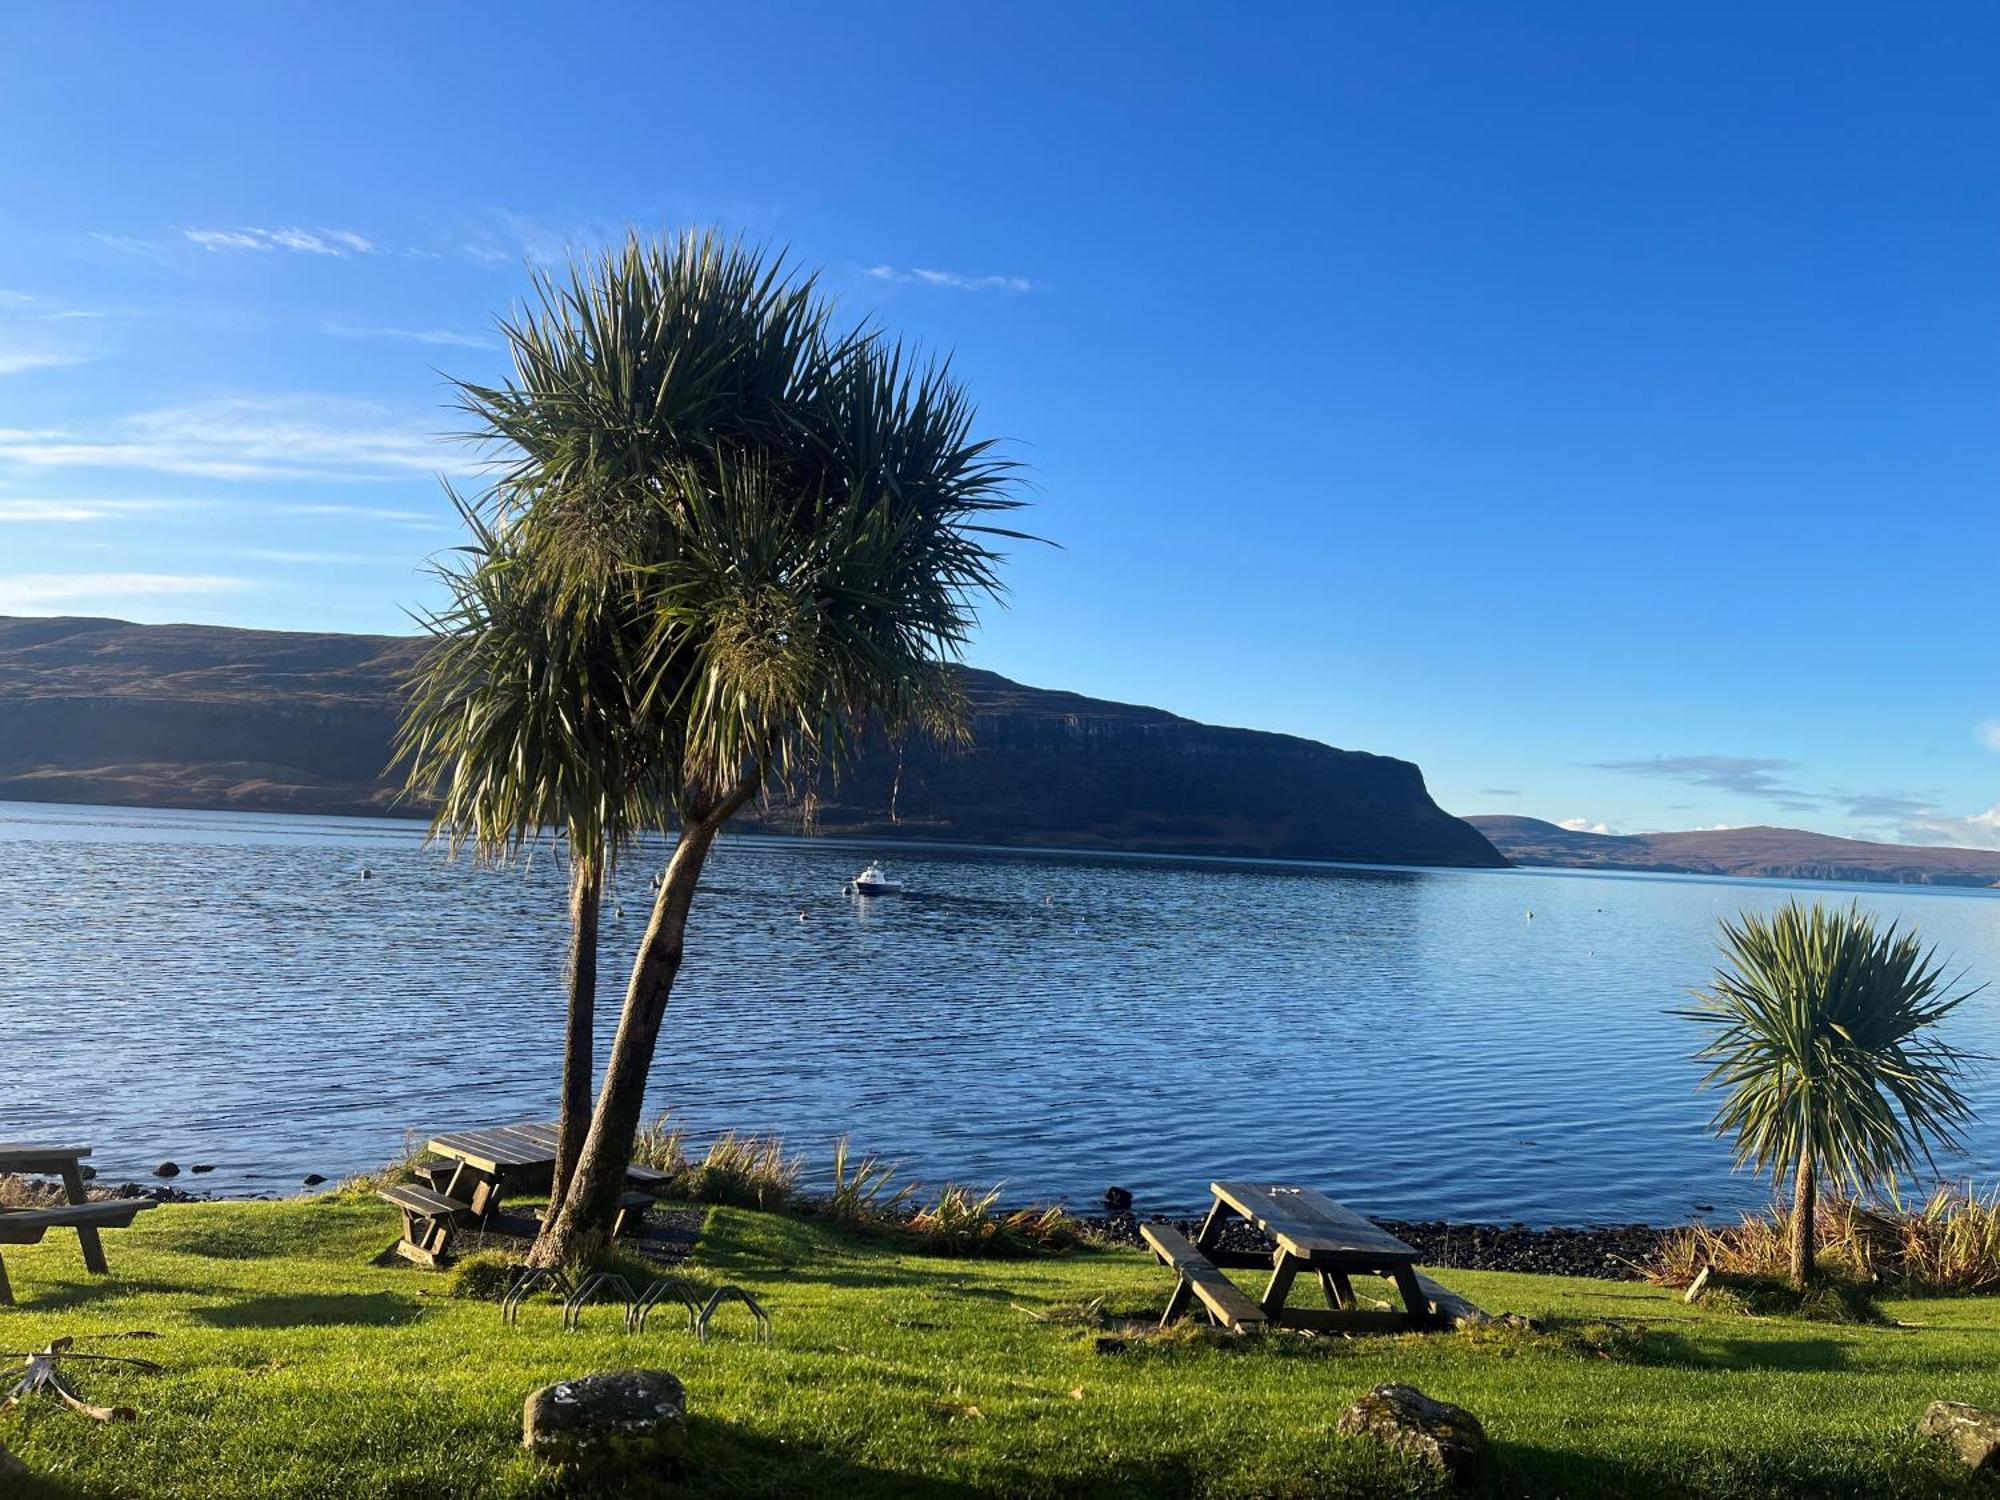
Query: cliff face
(1770, 853)
(197, 716)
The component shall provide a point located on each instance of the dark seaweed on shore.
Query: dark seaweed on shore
(1613, 1252)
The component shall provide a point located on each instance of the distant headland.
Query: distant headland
(196, 716)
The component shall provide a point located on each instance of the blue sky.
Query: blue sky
(1595, 404)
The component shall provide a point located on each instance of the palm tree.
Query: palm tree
(776, 530)
(518, 723)
(1822, 1041)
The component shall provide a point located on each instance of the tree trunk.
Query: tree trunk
(1805, 1205)
(586, 891)
(582, 1226)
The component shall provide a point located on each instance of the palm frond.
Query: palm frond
(1823, 1048)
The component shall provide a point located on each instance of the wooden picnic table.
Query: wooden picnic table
(485, 1159)
(483, 1163)
(1312, 1233)
(65, 1162)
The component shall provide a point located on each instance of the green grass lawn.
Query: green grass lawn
(297, 1367)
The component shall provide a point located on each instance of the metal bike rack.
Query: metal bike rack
(527, 1281)
(599, 1287)
(659, 1292)
(727, 1293)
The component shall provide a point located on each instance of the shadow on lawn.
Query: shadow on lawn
(1661, 1348)
(363, 1309)
(41, 1487)
(1676, 1351)
(727, 1459)
(68, 1294)
(1824, 1472)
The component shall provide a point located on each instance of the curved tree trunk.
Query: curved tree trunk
(582, 1226)
(586, 892)
(1805, 1206)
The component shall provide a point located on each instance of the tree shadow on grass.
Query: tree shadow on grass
(1822, 1471)
(1672, 1349)
(311, 1309)
(64, 1295)
(1661, 1348)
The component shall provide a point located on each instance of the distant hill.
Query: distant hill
(1779, 853)
(200, 716)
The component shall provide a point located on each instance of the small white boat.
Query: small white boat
(874, 881)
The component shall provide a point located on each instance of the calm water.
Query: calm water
(226, 988)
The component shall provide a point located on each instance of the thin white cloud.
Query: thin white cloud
(1583, 825)
(507, 238)
(1988, 734)
(15, 511)
(19, 361)
(291, 437)
(441, 336)
(334, 242)
(127, 244)
(13, 299)
(36, 593)
(415, 519)
(957, 280)
(318, 559)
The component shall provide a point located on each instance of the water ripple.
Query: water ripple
(229, 988)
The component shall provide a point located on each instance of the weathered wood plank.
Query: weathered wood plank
(1311, 1225)
(489, 1150)
(29, 1156)
(409, 1250)
(1226, 1302)
(423, 1200)
(1451, 1309)
(107, 1213)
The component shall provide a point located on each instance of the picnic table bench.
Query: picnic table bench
(1311, 1233)
(478, 1165)
(26, 1226)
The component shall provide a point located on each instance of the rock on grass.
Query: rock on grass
(633, 1420)
(1973, 1434)
(1436, 1434)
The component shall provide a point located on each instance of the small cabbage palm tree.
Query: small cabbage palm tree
(776, 534)
(1822, 1041)
(519, 724)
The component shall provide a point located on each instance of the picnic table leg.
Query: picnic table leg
(1211, 1232)
(1280, 1287)
(1211, 1227)
(472, 1187)
(93, 1247)
(1339, 1290)
(1414, 1299)
(6, 1291)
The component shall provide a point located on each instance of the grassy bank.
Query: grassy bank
(296, 1367)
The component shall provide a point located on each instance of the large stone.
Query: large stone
(1445, 1437)
(633, 1419)
(1970, 1431)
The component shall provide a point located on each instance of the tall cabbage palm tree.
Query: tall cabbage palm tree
(519, 723)
(777, 530)
(1823, 1045)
